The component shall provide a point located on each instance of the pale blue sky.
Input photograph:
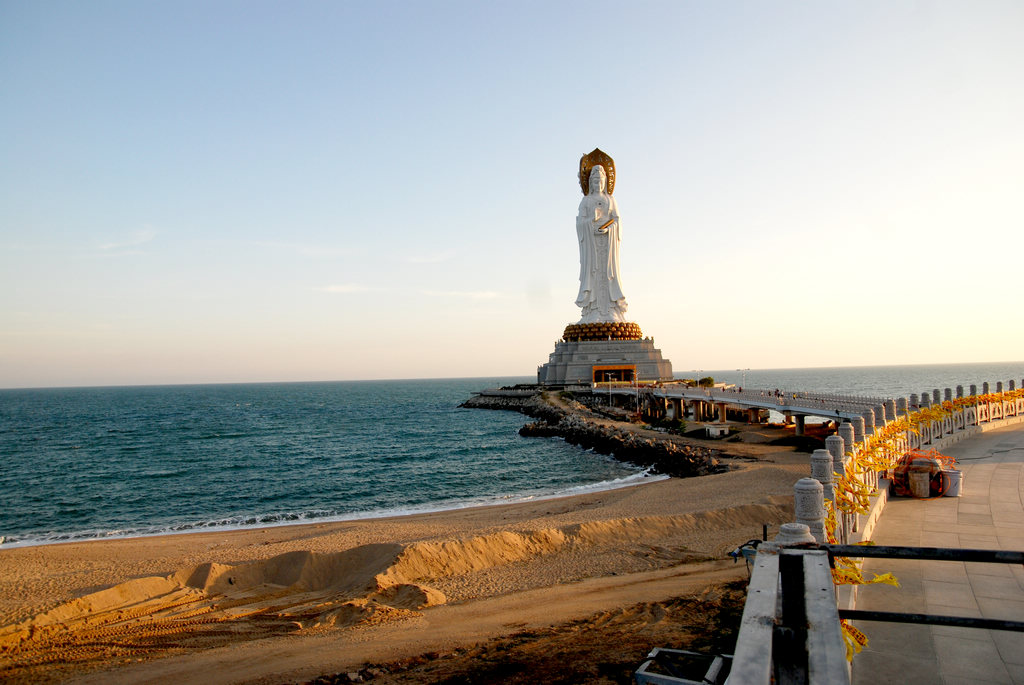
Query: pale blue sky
(257, 191)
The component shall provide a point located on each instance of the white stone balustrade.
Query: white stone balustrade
(821, 471)
(891, 410)
(847, 434)
(869, 422)
(808, 496)
(858, 429)
(835, 446)
(851, 435)
(754, 651)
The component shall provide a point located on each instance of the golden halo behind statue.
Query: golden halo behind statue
(589, 161)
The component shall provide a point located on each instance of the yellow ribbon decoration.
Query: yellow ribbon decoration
(854, 639)
(881, 452)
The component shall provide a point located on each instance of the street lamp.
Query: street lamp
(636, 388)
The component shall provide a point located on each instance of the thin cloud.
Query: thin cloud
(465, 294)
(435, 258)
(140, 237)
(305, 249)
(344, 288)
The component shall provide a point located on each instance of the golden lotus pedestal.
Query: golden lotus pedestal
(576, 332)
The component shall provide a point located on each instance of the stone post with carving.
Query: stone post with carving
(846, 432)
(793, 534)
(821, 471)
(869, 422)
(891, 412)
(836, 448)
(808, 495)
(858, 431)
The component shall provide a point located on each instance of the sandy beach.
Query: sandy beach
(288, 604)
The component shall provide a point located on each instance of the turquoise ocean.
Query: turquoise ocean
(93, 463)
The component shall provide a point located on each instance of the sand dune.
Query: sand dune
(203, 604)
(367, 587)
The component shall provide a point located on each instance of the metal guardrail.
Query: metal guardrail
(984, 556)
(987, 556)
(932, 619)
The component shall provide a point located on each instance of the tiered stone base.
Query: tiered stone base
(574, 362)
(578, 332)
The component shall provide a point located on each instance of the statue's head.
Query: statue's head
(591, 161)
(598, 179)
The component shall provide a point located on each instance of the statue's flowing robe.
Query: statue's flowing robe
(596, 303)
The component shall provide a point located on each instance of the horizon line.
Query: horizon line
(466, 378)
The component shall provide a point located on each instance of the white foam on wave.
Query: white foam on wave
(305, 518)
(626, 481)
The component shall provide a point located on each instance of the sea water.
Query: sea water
(90, 463)
(873, 381)
(83, 463)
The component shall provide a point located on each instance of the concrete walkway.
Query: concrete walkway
(989, 515)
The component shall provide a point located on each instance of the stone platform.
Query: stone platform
(988, 515)
(576, 362)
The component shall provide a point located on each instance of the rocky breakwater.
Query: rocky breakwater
(532, 405)
(660, 455)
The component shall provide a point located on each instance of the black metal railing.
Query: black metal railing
(985, 556)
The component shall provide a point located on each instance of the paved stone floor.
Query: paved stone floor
(989, 515)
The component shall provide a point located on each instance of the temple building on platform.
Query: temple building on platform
(603, 345)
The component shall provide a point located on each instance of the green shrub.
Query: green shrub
(671, 424)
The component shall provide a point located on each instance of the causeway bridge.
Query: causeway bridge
(718, 404)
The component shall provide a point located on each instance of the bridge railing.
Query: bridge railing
(825, 405)
(838, 505)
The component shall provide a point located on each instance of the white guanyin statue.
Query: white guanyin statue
(597, 227)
